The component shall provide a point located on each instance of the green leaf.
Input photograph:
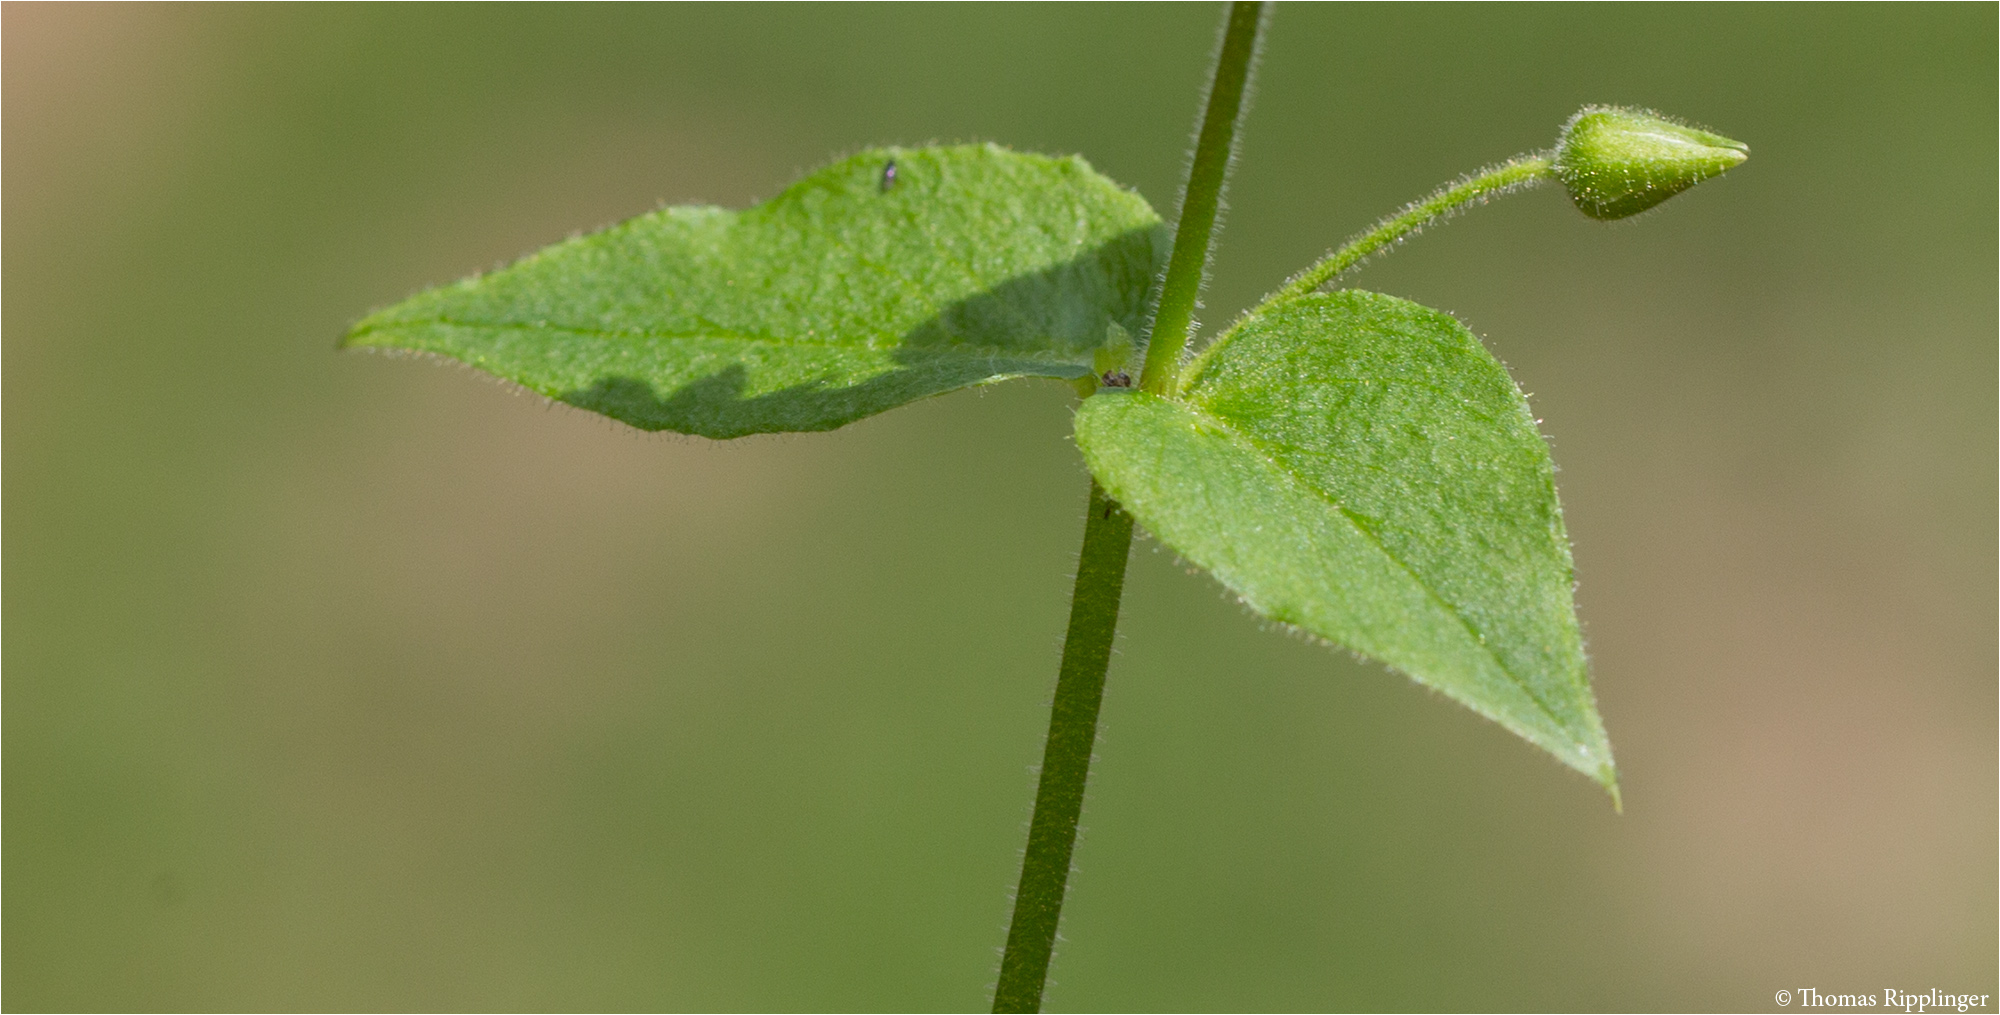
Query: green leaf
(1360, 467)
(854, 291)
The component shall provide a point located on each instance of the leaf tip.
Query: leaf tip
(1593, 759)
(355, 336)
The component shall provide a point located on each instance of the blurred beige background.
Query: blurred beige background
(342, 682)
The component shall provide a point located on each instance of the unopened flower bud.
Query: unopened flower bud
(1618, 162)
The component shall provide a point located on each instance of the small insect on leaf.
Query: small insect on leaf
(889, 176)
(1116, 379)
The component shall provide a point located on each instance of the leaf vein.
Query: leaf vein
(1258, 449)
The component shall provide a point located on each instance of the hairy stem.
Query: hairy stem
(1518, 173)
(1093, 619)
(1214, 147)
(1107, 543)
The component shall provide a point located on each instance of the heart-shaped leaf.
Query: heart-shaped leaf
(1360, 467)
(887, 277)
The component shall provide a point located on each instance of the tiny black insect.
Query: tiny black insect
(889, 175)
(1116, 379)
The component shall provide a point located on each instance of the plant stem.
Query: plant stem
(1517, 173)
(1214, 148)
(1107, 543)
(1093, 619)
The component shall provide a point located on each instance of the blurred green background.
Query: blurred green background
(335, 681)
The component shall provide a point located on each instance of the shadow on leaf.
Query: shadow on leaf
(1044, 324)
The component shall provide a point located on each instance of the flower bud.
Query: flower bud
(1617, 162)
